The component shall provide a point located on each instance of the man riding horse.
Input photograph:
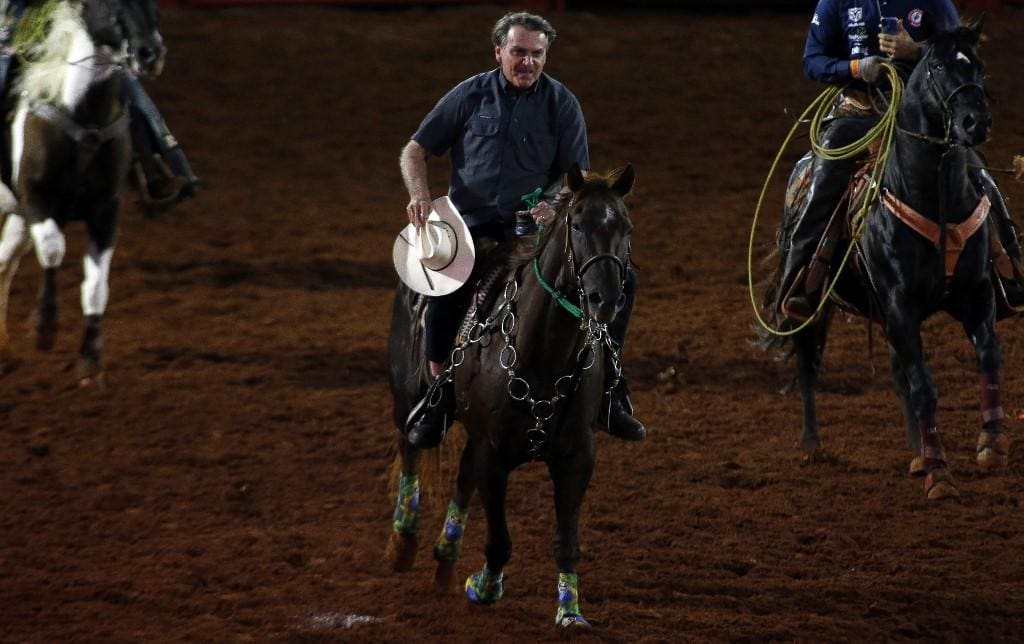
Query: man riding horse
(507, 132)
(847, 42)
(161, 172)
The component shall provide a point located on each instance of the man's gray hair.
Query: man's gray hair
(530, 21)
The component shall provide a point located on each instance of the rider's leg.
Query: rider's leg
(617, 409)
(829, 180)
(163, 174)
(1007, 257)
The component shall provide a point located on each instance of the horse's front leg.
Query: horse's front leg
(14, 244)
(808, 360)
(487, 586)
(905, 339)
(403, 542)
(902, 386)
(571, 476)
(102, 227)
(993, 447)
(50, 248)
(448, 547)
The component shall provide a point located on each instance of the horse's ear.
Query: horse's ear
(574, 178)
(624, 182)
(976, 28)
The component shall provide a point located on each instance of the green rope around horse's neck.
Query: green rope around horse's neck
(531, 200)
(33, 25)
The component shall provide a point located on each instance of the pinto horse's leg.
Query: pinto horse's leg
(993, 446)
(902, 386)
(487, 586)
(50, 247)
(96, 290)
(571, 476)
(808, 360)
(448, 547)
(14, 244)
(905, 338)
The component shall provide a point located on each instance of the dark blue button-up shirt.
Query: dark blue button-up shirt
(502, 143)
(842, 30)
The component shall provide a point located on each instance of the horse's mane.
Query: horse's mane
(46, 60)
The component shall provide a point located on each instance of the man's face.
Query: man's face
(522, 58)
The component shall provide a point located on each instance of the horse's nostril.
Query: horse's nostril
(621, 301)
(147, 55)
(594, 298)
(969, 123)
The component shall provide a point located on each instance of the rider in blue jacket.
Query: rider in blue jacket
(846, 44)
(161, 172)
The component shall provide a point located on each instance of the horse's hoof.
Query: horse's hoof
(993, 450)
(485, 587)
(939, 485)
(917, 468)
(90, 374)
(401, 551)
(444, 576)
(573, 621)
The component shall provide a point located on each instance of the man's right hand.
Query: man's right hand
(418, 211)
(869, 69)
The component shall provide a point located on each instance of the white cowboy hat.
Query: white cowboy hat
(437, 258)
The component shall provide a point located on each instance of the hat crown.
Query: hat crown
(438, 244)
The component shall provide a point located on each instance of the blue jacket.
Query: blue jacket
(842, 30)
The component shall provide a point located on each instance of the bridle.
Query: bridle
(570, 253)
(945, 102)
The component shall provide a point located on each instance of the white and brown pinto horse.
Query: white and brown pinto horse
(70, 152)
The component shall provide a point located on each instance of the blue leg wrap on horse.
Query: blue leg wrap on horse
(485, 587)
(569, 601)
(407, 508)
(448, 546)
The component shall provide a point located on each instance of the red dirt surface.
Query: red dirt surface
(231, 483)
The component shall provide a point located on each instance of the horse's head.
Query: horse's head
(599, 228)
(130, 27)
(949, 82)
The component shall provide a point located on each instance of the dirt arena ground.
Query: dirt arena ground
(231, 482)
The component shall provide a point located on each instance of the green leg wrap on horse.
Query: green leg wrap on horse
(407, 508)
(448, 546)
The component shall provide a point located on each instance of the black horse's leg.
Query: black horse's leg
(993, 445)
(902, 386)
(808, 360)
(487, 587)
(571, 476)
(102, 227)
(905, 337)
(448, 547)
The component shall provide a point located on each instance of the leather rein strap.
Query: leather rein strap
(956, 234)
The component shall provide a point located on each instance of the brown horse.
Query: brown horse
(69, 154)
(529, 377)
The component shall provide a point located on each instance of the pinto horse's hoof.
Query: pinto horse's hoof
(90, 373)
(917, 468)
(939, 485)
(401, 551)
(993, 450)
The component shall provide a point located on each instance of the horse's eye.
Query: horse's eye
(939, 68)
(576, 227)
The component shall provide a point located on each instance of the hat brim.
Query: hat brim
(406, 257)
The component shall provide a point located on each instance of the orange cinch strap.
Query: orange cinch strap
(956, 234)
(855, 67)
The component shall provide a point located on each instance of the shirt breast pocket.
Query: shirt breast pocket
(483, 127)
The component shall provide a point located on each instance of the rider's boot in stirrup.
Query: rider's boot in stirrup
(616, 415)
(427, 424)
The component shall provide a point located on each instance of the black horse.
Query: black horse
(925, 249)
(529, 378)
(70, 152)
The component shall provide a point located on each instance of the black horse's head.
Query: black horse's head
(949, 82)
(599, 228)
(128, 26)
